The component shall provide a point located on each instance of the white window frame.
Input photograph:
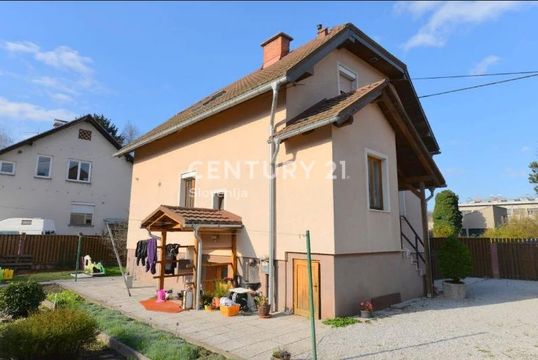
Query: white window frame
(50, 167)
(80, 203)
(185, 175)
(13, 163)
(78, 171)
(347, 72)
(385, 180)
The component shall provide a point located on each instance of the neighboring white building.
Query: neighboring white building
(67, 174)
(481, 215)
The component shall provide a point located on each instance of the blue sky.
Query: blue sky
(143, 62)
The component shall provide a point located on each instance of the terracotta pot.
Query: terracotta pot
(215, 303)
(263, 311)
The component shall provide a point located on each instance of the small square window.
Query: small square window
(84, 134)
(347, 80)
(7, 168)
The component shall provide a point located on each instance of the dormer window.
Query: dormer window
(347, 80)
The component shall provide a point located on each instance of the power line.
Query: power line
(478, 86)
(474, 75)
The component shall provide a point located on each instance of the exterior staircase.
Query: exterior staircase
(412, 245)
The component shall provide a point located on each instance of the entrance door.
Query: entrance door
(300, 287)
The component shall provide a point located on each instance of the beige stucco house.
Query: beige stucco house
(67, 174)
(352, 152)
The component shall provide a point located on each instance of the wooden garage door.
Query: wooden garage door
(300, 287)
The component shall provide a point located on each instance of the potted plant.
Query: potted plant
(262, 302)
(281, 354)
(222, 288)
(455, 264)
(367, 309)
(206, 300)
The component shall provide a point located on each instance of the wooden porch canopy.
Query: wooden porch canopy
(174, 218)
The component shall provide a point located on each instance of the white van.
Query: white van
(30, 226)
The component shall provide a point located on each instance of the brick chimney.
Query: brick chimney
(275, 48)
(322, 31)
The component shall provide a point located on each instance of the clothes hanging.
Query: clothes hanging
(141, 252)
(151, 260)
(171, 254)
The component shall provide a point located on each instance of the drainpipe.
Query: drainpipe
(426, 237)
(274, 146)
(198, 266)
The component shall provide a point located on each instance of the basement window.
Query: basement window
(347, 80)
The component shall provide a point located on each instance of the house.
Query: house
(353, 154)
(67, 174)
(478, 216)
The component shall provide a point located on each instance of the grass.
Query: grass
(153, 343)
(341, 321)
(58, 275)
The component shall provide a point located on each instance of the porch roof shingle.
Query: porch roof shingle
(177, 218)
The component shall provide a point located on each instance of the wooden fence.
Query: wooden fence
(57, 251)
(497, 258)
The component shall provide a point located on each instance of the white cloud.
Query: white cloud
(62, 57)
(26, 111)
(60, 97)
(59, 84)
(483, 65)
(526, 149)
(446, 17)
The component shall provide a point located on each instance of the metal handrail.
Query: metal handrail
(414, 245)
(412, 229)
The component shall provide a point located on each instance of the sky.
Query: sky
(143, 62)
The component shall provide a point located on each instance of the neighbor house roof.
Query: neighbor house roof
(54, 130)
(290, 68)
(176, 218)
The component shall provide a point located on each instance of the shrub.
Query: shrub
(447, 218)
(222, 288)
(19, 299)
(56, 334)
(516, 227)
(341, 321)
(64, 298)
(454, 260)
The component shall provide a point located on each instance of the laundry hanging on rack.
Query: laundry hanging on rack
(141, 252)
(151, 261)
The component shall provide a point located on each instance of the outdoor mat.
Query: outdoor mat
(169, 306)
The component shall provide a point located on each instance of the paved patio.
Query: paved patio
(497, 320)
(242, 337)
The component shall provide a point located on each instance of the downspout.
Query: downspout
(198, 266)
(274, 146)
(426, 237)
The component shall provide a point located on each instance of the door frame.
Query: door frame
(294, 286)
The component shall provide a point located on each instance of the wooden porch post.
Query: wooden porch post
(163, 260)
(234, 253)
(427, 255)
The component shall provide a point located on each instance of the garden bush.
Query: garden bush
(454, 260)
(64, 298)
(58, 334)
(21, 298)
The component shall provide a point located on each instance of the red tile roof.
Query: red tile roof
(167, 217)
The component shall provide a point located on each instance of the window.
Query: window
(26, 222)
(79, 170)
(188, 183)
(43, 167)
(81, 214)
(85, 134)
(7, 167)
(347, 80)
(377, 182)
(218, 201)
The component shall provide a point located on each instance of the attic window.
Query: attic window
(84, 134)
(214, 97)
(347, 80)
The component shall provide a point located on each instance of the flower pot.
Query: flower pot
(263, 311)
(208, 308)
(215, 303)
(284, 356)
(366, 314)
(454, 291)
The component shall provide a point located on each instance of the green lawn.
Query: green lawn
(58, 275)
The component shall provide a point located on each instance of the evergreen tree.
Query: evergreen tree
(533, 176)
(447, 218)
(110, 127)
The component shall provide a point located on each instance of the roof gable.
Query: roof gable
(289, 69)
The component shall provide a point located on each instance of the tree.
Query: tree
(5, 140)
(447, 218)
(454, 260)
(533, 176)
(522, 227)
(110, 127)
(130, 132)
